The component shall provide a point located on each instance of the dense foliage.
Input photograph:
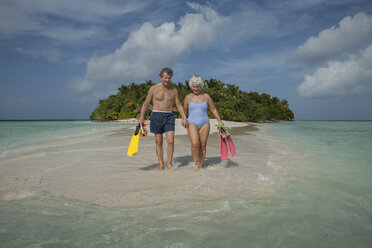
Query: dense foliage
(231, 102)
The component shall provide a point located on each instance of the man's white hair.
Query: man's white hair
(196, 80)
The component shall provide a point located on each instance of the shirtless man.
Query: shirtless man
(163, 97)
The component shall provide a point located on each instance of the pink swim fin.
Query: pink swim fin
(223, 147)
(230, 143)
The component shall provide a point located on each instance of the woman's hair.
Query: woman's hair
(196, 80)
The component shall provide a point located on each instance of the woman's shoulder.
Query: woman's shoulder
(187, 97)
(206, 95)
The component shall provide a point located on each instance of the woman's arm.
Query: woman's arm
(214, 110)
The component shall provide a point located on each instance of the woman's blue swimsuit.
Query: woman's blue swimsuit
(198, 113)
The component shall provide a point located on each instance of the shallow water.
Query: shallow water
(20, 134)
(332, 207)
(322, 198)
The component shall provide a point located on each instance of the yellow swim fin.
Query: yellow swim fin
(134, 142)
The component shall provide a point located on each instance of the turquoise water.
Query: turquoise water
(23, 133)
(331, 206)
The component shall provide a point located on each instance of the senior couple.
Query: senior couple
(163, 97)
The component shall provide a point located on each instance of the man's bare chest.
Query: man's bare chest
(163, 96)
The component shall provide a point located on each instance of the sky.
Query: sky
(59, 58)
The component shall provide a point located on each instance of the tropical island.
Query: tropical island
(232, 103)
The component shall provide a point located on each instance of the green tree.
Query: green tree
(231, 102)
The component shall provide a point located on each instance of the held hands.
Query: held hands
(184, 122)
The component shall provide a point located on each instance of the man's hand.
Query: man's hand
(184, 122)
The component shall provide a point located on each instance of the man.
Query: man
(163, 97)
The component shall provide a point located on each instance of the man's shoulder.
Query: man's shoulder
(155, 87)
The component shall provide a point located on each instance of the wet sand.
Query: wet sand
(96, 170)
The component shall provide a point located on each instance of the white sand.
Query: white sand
(183, 131)
(96, 170)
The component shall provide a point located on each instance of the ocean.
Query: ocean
(322, 196)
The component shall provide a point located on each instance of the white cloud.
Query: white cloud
(350, 36)
(150, 48)
(90, 11)
(52, 55)
(70, 33)
(66, 21)
(353, 76)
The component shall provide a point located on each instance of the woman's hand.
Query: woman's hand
(184, 123)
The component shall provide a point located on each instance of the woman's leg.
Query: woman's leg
(195, 143)
(203, 135)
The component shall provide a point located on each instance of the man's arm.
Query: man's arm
(180, 108)
(186, 104)
(146, 103)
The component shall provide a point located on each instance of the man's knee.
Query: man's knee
(170, 143)
(159, 141)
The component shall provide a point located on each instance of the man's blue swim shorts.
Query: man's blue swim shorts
(162, 122)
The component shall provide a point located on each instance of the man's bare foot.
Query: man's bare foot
(170, 167)
(195, 167)
(161, 167)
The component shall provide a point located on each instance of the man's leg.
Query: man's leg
(159, 150)
(170, 141)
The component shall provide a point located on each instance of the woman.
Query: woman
(198, 128)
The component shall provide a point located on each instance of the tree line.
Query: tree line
(231, 102)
